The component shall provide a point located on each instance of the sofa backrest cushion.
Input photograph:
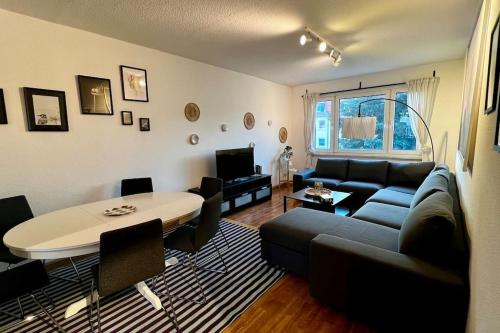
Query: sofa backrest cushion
(408, 174)
(368, 171)
(441, 167)
(435, 181)
(332, 168)
(427, 230)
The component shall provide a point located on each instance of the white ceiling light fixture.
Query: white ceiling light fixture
(324, 46)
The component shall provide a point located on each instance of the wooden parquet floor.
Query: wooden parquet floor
(287, 306)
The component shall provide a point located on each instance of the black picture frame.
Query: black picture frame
(125, 121)
(132, 87)
(144, 124)
(42, 109)
(3, 110)
(493, 71)
(94, 94)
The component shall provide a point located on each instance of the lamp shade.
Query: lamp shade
(359, 127)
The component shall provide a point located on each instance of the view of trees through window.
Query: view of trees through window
(398, 125)
(348, 107)
(403, 134)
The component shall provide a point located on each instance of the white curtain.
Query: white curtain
(310, 100)
(421, 97)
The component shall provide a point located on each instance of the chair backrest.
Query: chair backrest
(136, 186)
(130, 255)
(208, 221)
(13, 211)
(22, 280)
(210, 187)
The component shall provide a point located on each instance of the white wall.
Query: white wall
(57, 170)
(447, 108)
(480, 195)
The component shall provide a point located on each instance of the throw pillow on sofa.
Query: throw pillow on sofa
(335, 168)
(436, 181)
(408, 174)
(427, 230)
(368, 171)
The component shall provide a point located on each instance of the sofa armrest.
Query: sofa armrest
(376, 282)
(300, 176)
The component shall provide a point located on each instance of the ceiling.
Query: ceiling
(260, 37)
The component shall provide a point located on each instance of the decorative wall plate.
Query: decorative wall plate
(192, 111)
(283, 135)
(249, 120)
(194, 139)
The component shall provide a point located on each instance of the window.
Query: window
(348, 107)
(393, 134)
(323, 125)
(403, 137)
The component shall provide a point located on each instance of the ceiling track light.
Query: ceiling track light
(324, 46)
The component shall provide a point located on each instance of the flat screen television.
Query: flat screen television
(234, 163)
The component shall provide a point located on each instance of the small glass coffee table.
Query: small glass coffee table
(314, 202)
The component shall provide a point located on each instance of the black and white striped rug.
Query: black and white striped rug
(227, 295)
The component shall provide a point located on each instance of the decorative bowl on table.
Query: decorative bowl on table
(119, 211)
(317, 192)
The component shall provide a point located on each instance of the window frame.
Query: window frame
(389, 115)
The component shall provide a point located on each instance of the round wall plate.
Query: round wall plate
(194, 139)
(192, 111)
(249, 120)
(283, 135)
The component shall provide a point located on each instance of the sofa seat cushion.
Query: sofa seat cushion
(427, 230)
(296, 228)
(402, 189)
(379, 213)
(332, 168)
(436, 181)
(390, 197)
(368, 171)
(329, 183)
(364, 188)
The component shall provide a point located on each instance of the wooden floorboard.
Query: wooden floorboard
(287, 306)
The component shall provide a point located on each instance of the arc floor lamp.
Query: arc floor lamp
(363, 127)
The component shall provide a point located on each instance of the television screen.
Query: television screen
(234, 163)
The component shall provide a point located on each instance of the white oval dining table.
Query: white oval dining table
(75, 231)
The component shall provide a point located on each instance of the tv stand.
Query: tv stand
(245, 192)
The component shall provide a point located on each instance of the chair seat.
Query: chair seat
(402, 189)
(182, 239)
(364, 188)
(7, 257)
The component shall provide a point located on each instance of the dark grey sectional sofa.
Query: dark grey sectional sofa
(400, 261)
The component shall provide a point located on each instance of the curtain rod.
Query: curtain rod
(363, 88)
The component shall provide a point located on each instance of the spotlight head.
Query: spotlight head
(303, 40)
(322, 46)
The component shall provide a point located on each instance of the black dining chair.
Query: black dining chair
(209, 187)
(191, 239)
(136, 186)
(14, 211)
(26, 279)
(128, 256)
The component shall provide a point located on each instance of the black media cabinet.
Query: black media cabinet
(245, 192)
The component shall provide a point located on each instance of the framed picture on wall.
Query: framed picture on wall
(3, 111)
(127, 119)
(134, 84)
(493, 71)
(95, 95)
(144, 124)
(45, 109)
